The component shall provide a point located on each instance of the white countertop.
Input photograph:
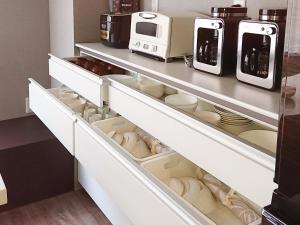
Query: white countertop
(228, 92)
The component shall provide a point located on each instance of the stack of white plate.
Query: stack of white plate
(231, 119)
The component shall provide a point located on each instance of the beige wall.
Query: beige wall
(24, 41)
(71, 22)
(205, 5)
(61, 27)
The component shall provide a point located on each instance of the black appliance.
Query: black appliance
(260, 49)
(115, 29)
(215, 40)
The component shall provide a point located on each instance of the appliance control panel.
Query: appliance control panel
(148, 48)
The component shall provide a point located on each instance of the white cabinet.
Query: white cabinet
(53, 113)
(84, 82)
(124, 180)
(239, 165)
(143, 199)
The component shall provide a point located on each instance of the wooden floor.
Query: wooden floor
(75, 208)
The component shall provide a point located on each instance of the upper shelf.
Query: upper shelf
(228, 92)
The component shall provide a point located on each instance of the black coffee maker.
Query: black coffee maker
(115, 29)
(215, 40)
(115, 26)
(260, 49)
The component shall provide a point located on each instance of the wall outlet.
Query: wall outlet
(239, 2)
(27, 108)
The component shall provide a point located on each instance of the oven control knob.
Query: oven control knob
(138, 44)
(146, 46)
(154, 48)
(271, 30)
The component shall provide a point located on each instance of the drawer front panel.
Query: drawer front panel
(85, 83)
(248, 177)
(58, 118)
(138, 202)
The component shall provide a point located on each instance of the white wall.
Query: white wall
(71, 22)
(205, 5)
(61, 27)
(24, 41)
(293, 28)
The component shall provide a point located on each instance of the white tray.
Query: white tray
(120, 124)
(174, 165)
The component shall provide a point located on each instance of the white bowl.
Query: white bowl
(185, 102)
(210, 117)
(95, 118)
(170, 91)
(87, 113)
(204, 106)
(263, 138)
(130, 140)
(77, 105)
(151, 87)
(67, 97)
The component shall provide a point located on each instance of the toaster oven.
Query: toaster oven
(162, 35)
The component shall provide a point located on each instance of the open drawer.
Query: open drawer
(239, 165)
(53, 113)
(132, 186)
(144, 200)
(84, 82)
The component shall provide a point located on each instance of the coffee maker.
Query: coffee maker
(215, 40)
(115, 29)
(115, 26)
(260, 49)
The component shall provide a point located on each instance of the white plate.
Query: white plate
(264, 138)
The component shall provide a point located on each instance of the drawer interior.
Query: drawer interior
(203, 192)
(81, 106)
(234, 162)
(95, 66)
(57, 108)
(252, 132)
(139, 145)
(172, 165)
(85, 75)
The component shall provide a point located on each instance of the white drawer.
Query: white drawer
(240, 166)
(54, 114)
(143, 200)
(82, 81)
(3, 192)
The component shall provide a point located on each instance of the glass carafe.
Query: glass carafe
(208, 50)
(256, 60)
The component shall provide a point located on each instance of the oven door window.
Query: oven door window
(256, 55)
(146, 28)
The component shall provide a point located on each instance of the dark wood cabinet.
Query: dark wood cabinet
(285, 207)
(33, 163)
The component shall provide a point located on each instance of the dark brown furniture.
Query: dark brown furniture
(33, 163)
(285, 207)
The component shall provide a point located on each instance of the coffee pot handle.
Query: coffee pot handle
(250, 61)
(204, 50)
